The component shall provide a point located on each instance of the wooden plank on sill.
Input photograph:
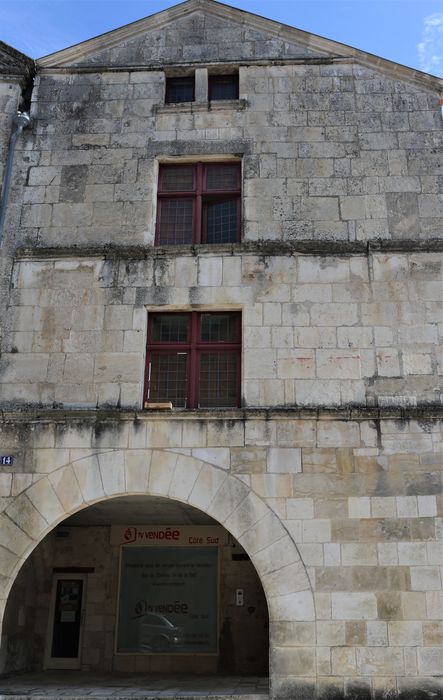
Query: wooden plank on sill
(153, 406)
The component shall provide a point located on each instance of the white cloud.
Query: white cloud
(430, 49)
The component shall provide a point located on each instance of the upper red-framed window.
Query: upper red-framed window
(223, 87)
(193, 359)
(198, 203)
(180, 90)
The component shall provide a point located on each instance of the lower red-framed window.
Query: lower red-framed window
(194, 359)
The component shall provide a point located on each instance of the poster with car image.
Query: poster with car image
(168, 600)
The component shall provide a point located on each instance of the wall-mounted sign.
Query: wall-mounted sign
(6, 460)
(174, 535)
(168, 599)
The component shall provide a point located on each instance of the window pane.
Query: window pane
(223, 87)
(177, 178)
(168, 378)
(179, 89)
(218, 379)
(175, 221)
(218, 328)
(170, 328)
(221, 221)
(222, 177)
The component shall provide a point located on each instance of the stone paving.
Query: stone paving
(78, 685)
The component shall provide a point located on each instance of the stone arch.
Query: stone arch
(156, 472)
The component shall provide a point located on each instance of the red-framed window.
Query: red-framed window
(180, 90)
(194, 359)
(223, 87)
(198, 203)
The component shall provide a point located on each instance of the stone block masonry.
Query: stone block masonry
(365, 518)
(329, 152)
(328, 473)
(317, 330)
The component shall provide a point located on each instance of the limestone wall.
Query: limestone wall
(329, 475)
(317, 330)
(331, 151)
(10, 93)
(16, 72)
(360, 497)
(10, 97)
(220, 35)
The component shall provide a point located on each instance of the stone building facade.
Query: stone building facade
(315, 261)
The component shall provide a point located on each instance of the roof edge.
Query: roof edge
(115, 36)
(325, 47)
(13, 62)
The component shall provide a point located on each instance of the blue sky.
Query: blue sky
(406, 31)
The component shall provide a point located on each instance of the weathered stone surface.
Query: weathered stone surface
(338, 277)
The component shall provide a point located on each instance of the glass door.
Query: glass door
(63, 648)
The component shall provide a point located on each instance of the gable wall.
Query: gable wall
(332, 154)
(201, 37)
(351, 156)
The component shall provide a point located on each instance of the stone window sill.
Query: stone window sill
(212, 106)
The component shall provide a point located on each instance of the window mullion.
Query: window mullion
(198, 219)
(198, 204)
(193, 369)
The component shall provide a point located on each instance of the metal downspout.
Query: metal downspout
(21, 120)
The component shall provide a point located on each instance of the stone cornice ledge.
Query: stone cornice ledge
(424, 412)
(394, 71)
(326, 247)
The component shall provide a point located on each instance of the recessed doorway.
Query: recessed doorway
(182, 597)
(65, 622)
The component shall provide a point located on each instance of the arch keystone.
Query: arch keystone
(137, 468)
(161, 472)
(112, 471)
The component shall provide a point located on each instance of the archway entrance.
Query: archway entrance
(140, 584)
(98, 477)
